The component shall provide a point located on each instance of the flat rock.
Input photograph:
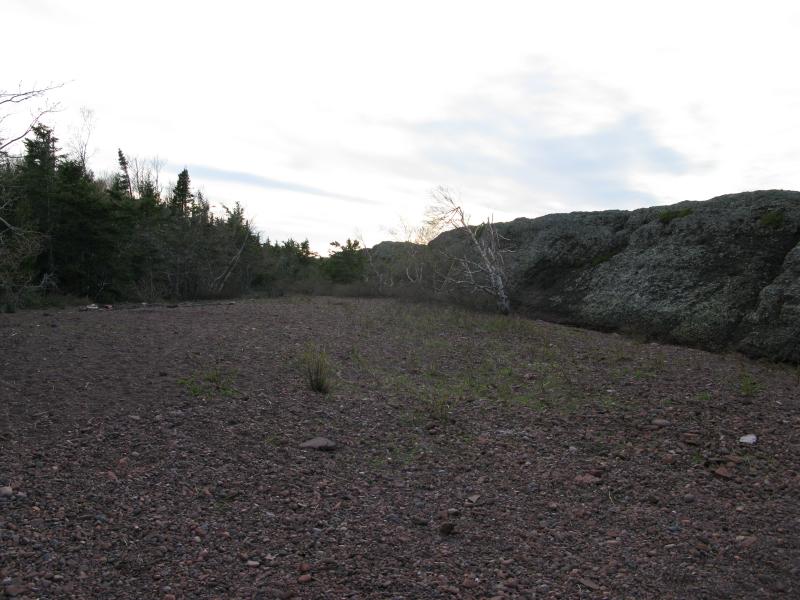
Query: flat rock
(749, 439)
(746, 541)
(723, 472)
(587, 479)
(319, 443)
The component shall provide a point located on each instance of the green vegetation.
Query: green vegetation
(668, 216)
(602, 258)
(704, 397)
(474, 358)
(215, 382)
(318, 369)
(748, 386)
(772, 219)
(346, 263)
(124, 236)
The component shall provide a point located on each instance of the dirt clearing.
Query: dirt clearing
(155, 453)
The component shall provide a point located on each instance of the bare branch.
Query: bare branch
(485, 272)
(21, 96)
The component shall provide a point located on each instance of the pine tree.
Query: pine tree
(182, 196)
(124, 177)
(38, 188)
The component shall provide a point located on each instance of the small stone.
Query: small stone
(253, 563)
(693, 439)
(319, 443)
(305, 567)
(6, 490)
(592, 585)
(304, 578)
(15, 590)
(748, 439)
(723, 472)
(661, 423)
(745, 541)
(587, 479)
(447, 528)
(688, 498)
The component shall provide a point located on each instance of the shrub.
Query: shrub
(773, 219)
(748, 386)
(668, 216)
(318, 369)
(438, 406)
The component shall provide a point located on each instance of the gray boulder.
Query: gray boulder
(718, 274)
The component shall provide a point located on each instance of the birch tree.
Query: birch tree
(481, 267)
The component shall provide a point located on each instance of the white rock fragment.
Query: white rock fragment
(749, 439)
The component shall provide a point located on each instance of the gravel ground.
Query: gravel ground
(154, 452)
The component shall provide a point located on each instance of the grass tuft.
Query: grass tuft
(318, 369)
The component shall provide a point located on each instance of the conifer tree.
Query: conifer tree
(182, 196)
(124, 177)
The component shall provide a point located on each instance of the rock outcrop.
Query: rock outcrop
(718, 274)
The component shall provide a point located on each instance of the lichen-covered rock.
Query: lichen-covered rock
(724, 273)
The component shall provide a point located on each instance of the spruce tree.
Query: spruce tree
(124, 177)
(182, 196)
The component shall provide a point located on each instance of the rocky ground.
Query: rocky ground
(155, 452)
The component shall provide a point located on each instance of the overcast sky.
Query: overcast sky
(333, 119)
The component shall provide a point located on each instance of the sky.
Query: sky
(328, 120)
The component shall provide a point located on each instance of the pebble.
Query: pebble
(6, 490)
(304, 578)
(447, 528)
(253, 563)
(319, 443)
(745, 541)
(15, 590)
(592, 585)
(661, 423)
(723, 472)
(586, 479)
(748, 439)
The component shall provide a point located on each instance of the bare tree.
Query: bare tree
(10, 100)
(481, 267)
(79, 140)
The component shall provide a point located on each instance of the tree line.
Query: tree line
(122, 237)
